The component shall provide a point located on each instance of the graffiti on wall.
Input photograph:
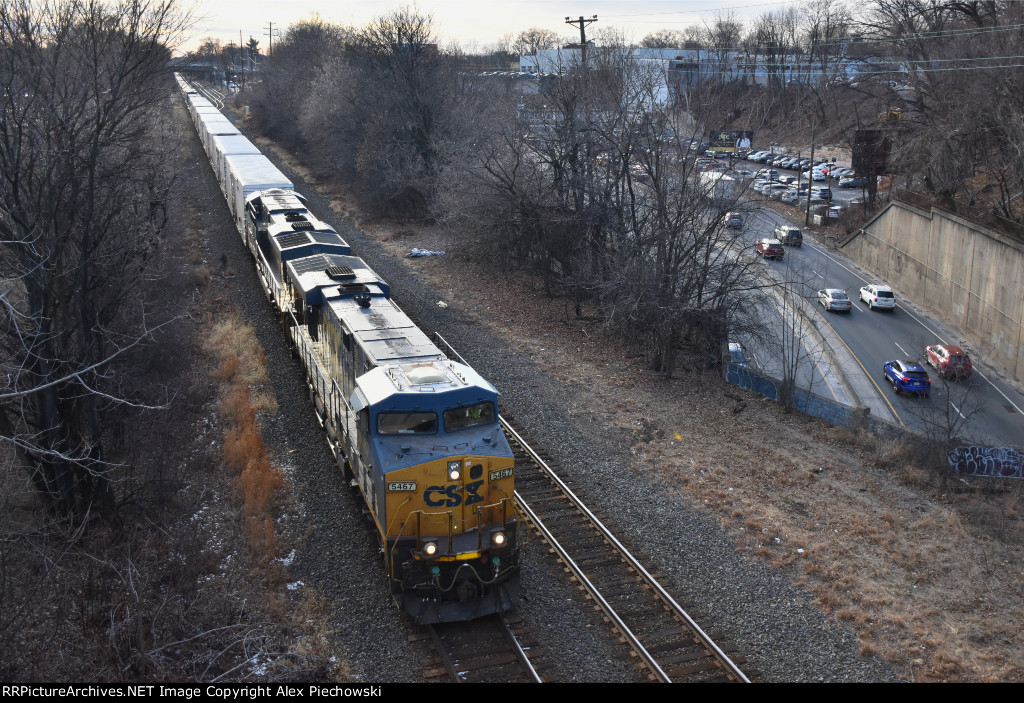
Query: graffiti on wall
(1000, 462)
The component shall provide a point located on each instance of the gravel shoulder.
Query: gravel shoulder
(755, 518)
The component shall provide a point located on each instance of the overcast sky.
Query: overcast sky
(467, 22)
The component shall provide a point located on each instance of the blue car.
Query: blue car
(907, 376)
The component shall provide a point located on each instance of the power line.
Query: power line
(937, 34)
(710, 9)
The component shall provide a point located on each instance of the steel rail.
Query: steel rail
(720, 655)
(594, 592)
(444, 650)
(524, 660)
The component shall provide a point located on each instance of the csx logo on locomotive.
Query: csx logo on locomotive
(449, 497)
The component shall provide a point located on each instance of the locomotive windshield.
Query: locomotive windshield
(407, 423)
(469, 416)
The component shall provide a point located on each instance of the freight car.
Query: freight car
(414, 431)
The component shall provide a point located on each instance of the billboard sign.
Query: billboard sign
(729, 140)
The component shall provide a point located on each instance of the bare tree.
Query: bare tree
(961, 105)
(81, 197)
(774, 41)
(825, 28)
(797, 348)
(664, 39)
(723, 36)
(596, 192)
(299, 60)
(530, 41)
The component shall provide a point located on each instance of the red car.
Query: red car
(949, 360)
(770, 248)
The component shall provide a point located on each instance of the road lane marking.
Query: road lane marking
(861, 364)
(916, 319)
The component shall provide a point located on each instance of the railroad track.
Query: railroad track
(485, 650)
(658, 631)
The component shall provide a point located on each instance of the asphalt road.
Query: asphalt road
(984, 408)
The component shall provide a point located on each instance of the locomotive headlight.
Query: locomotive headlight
(430, 549)
(498, 539)
(454, 470)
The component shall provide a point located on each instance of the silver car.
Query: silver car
(835, 300)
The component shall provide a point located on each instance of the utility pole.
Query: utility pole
(810, 182)
(270, 33)
(582, 22)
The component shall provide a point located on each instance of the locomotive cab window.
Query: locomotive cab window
(469, 416)
(407, 423)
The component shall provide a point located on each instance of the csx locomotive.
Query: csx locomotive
(416, 431)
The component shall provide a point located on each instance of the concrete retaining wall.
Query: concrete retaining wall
(964, 274)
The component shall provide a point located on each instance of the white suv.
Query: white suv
(878, 296)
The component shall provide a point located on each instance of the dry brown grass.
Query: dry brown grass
(928, 580)
(242, 361)
(241, 367)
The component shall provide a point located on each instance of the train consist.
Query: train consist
(416, 431)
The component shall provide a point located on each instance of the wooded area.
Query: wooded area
(588, 181)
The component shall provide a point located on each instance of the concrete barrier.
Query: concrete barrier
(839, 414)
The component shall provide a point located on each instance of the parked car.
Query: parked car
(787, 234)
(835, 212)
(639, 172)
(770, 248)
(775, 190)
(878, 296)
(908, 376)
(734, 220)
(790, 196)
(949, 360)
(835, 300)
(821, 195)
(768, 173)
(852, 182)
